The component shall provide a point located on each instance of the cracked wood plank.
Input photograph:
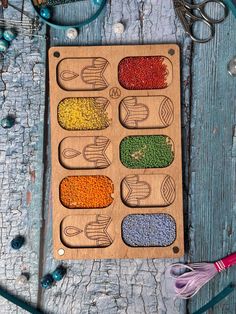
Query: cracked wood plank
(22, 89)
(119, 286)
(212, 202)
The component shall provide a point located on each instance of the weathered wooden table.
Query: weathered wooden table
(209, 160)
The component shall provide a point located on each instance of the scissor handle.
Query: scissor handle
(188, 20)
(201, 8)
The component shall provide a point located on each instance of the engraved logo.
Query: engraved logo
(115, 92)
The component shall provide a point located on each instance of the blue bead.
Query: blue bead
(17, 242)
(9, 35)
(59, 273)
(45, 12)
(97, 2)
(47, 281)
(3, 45)
(8, 122)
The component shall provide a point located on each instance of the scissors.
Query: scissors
(184, 10)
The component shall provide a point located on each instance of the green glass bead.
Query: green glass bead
(17, 242)
(46, 13)
(8, 122)
(3, 45)
(47, 281)
(59, 273)
(9, 34)
(97, 2)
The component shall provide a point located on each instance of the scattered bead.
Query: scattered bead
(22, 279)
(118, 28)
(59, 273)
(9, 34)
(17, 242)
(232, 67)
(47, 281)
(1, 33)
(45, 13)
(3, 45)
(71, 33)
(97, 2)
(8, 122)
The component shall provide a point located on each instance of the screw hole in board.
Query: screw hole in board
(171, 52)
(175, 249)
(56, 54)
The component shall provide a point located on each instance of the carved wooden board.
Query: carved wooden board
(130, 184)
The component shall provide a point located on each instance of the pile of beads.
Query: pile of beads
(86, 191)
(143, 73)
(153, 151)
(82, 114)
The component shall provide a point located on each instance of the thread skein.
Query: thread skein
(196, 275)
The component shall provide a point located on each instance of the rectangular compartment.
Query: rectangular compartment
(147, 112)
(145, 72)
(151, 113)
(84, 113)
(85, 152)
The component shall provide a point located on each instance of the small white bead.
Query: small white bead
(118, 28)
(71, 33)
(22, 280)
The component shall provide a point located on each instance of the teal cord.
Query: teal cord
(231, 5)
(25, 306)
(79, 25)
(218, 298)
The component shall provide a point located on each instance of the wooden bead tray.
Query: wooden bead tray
(128, 170)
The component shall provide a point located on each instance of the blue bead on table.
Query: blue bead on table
(97, 2)
(17, 242)
(3, 45)
(47, 281)
(46, 13)
(59, 273)
(9, 35)
(7, 122)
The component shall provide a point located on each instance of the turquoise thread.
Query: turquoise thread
(25, 306)
(218, 298)
(79, 25)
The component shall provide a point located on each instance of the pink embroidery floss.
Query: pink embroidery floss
(196, 275)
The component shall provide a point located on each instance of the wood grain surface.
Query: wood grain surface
(209, 151)
(79, 59)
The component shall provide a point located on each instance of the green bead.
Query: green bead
(59, 273)
(8, 122)
(97, 2)
(47, 281)
(46, 13)
(154, 151)
(9, 34)
(3, 45)
(17, 242)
